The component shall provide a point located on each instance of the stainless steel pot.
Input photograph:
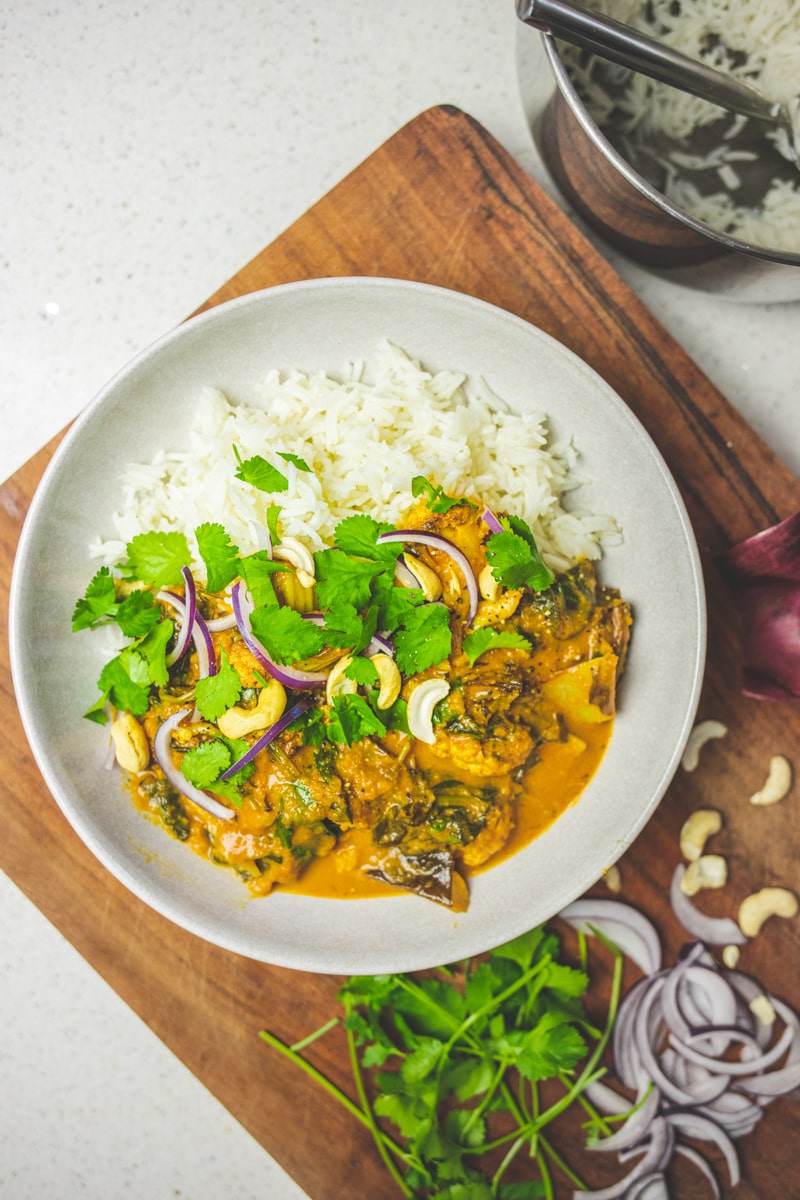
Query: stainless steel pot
(623, 207)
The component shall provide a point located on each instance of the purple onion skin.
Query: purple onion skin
(763, 573)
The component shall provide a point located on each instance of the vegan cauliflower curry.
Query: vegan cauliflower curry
(396, 711)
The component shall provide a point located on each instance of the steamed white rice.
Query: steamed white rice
(656, 126)
(364, 442)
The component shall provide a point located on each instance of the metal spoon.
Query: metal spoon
(627, 47)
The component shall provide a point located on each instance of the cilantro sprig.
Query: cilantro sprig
(437, 499)
(515, 558)
(454, 1062)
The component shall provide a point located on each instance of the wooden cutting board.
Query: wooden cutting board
(442, 202)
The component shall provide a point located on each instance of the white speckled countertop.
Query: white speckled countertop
(149, 151)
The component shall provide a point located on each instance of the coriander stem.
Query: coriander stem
(312, 1037)
(564, 1167)
(317, 1076)
(324, 1082)
(509, 1157)
(544, 1170)
(377, 1134)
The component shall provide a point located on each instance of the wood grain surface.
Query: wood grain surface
(442, 202)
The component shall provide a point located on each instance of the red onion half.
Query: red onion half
(163, 755)
(291, 677)
(437, 542)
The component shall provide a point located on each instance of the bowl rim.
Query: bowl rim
(141, 888)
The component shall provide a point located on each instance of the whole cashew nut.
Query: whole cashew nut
(769, 902)
(778, 782)
(697, 739)
(702, 824)
(238, 721)
(131, 748)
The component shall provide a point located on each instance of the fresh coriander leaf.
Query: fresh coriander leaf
(238, 747)
(124, 692)
(523, 1189)
(523, 949)
(550, 1047)
(357, 536)
(515, 560)
(393, 603)
(203, 764)
(313, 728)
(284, 634)
(256, 570)
(138, 613)
(423, 1060)
(561, 978)
(157, 557)
(153, 649)
(425, 641)
(136, 666)
(220, 556)
(362, 670)
(477, 643)
(343, 580)
(273, 512)
(300, 463)
(98, 712)
(351, 718)
(437, 499)
(98, 602)
(260, 474)
(344, 627)
(215, 694)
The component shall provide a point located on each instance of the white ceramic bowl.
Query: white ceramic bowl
(322, 325)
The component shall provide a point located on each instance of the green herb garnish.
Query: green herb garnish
(454, 1062)
(215, 694)
(477, 643)
(514, 557)
(437, 499)
(260, 474)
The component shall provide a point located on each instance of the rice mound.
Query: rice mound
(364, 441)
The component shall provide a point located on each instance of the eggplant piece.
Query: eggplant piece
(430, 874)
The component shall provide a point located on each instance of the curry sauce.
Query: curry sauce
(521, 719)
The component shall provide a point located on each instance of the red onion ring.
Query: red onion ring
(437, 542)
(405, 576)
(622, 925)
(714, 931)
(261, 743)
(161, 750)
(187, 611)
(378, 644)
(218, 624)
(488, 518)
(290, 677)
(196, 628)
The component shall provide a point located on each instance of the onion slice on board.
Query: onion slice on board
(624, 926)
(161, 749)
(714, 931)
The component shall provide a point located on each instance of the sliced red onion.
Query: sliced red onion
(654, 1152)
(624, 926)
(291, 677)
(261, 743)
(437, 542)
(163, 755)
(218, 624)
(635, 1128)
(701, 1010)
(204, 645)
(705, 1130)
(488, 518)
(702, 1166)
(378, 644)
(186, 609)
(192, 626)
(714, 931)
